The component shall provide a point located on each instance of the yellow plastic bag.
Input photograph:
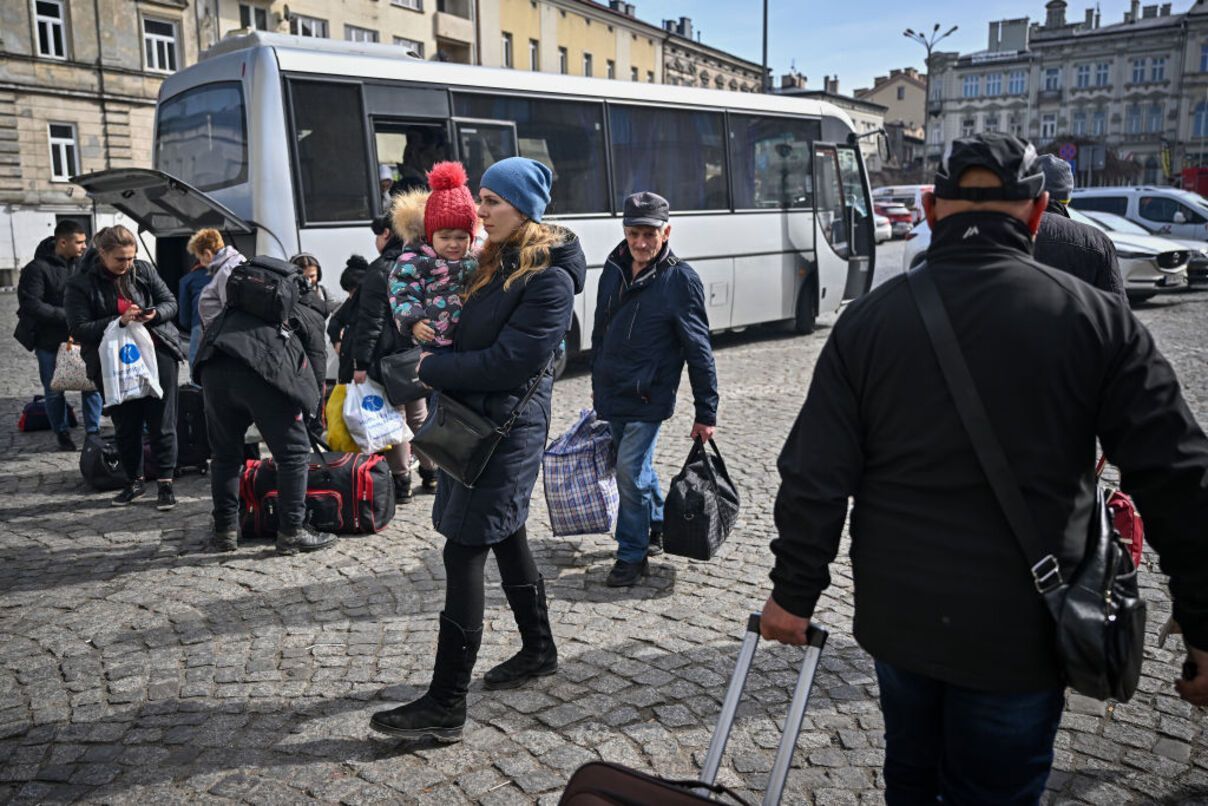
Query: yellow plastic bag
(338, 437)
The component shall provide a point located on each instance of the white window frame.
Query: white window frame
(1048, 127)
(563, 61)
(152, 43)
(610, 68)
(1157, 68)
(1133, 119)
(971, 86)
(1155, 114)
(413, 45)
(50, 24)
(508, 50)
(588, 65)
(1103, 74)
(1204, 57)
(252, 10)
(1017, 82)
(1082, 76)
(355, 33)
(1098, 123)
(1138, 71)
(649, 76)
(1052, 79)
(993, 84)
(534, 54)
(68, 150)
(1078, 127)
(413, 5)
(296, 21)
(634, 75)
(990, 123)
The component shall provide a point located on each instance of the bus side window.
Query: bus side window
(679, 154)
(770, 161)
(332, 164)
(409, 150)
(567, 136)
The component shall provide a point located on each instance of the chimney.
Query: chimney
(1089, 22)
(995, 36)
(1164, 11)
(792, 81)
(630, 9)
(669, 26)
(1134, 11)
(685, 27)
(617, 5)
(1055, 13)
(831, 85)
(1149, 12)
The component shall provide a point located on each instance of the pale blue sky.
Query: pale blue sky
(858, 39)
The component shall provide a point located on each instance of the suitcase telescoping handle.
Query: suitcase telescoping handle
(815, 640)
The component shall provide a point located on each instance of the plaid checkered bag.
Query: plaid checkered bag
(579, 469)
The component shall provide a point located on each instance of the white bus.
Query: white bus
(278, 141)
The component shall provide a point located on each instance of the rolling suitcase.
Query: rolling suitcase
(601, 783)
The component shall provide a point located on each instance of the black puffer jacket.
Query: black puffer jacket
(1078, 249)
(91, 304)
(40, 294)
(374, 334)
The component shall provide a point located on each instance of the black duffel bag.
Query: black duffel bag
(100, 464)
(265, 287)
(701, 507)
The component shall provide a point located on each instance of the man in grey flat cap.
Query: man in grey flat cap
(1075, 248)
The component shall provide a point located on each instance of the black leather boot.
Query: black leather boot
(538, 657)
(441, 712)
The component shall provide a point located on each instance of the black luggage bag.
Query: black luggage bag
(601, 783)
(702, 505)
(346, 494)
(100, 464)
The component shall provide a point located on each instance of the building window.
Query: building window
(253, 18)
(1103, 74)
(159, 41)
(1157, 68)
(307, 26)
(1132, 119)
(1079, 123)
(1052, 79)
(354, 34)
(968, 127)
(937, 134)
(1016, 128)
(633, 74)
(1082, 76)
(1099, 123)
(587, 64)
(649, 76)
(507, 50)
(994, 84)
(1154, 123)
(1017, 83)
(1199, 123)
(1048, 127)
(410, 45)
(901, 93)
(52, 35)
(971, 87)
(414, 5)
(1138, 71)
(1204, 58)
(534, 54)
(991, 123)
(563, 61)
(63, 152)
(611, 68)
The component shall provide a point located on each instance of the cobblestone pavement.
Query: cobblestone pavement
(134, 668)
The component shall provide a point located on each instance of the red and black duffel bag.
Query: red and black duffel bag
(346, 494)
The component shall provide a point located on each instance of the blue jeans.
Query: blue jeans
(56, 402)
(964, 745)
(638, 485)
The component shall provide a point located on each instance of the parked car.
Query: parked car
(1148, 264)
(883, 229)
(1197, 262)
(1164, 210)
(910, 196)
(899, 216)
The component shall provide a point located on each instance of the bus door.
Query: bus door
(832, 227)
(858, 218)
(482, 143)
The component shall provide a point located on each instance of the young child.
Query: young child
(427, 284)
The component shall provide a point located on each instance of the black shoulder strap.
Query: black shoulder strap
(990, 455)
(534, 385)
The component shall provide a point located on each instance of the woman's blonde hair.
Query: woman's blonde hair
(531, 239)
(208, 239)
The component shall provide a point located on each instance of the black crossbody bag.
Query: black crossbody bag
(460, 440)
(1099, 615)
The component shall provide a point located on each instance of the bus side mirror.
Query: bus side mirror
(883, 147)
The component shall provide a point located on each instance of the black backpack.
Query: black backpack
(265, 287)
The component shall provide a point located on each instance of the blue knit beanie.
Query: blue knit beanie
(522, 182)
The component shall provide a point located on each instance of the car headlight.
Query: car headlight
(1131, 255)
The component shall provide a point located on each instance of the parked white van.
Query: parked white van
(1164, 210)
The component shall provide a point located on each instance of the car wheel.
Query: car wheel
(806, 319)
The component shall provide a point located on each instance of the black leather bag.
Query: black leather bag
(1099, 614)
(702, 505)
(100, 464)
(459, 440)
(265, 287)
(400, 376)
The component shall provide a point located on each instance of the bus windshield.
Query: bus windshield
(201, 136)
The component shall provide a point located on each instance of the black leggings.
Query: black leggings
(464, 572)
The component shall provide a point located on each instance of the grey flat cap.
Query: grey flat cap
(646, 209)
(1058, 178)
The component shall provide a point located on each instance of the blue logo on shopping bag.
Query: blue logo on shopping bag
(372, 403)
(129, 354)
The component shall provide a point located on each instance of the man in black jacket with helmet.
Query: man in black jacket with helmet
(256, 371)
(946, 603)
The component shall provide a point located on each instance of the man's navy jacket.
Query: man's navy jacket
(646, 328)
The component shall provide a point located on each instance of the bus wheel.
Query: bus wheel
(807, 307)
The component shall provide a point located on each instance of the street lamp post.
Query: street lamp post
(928, 41)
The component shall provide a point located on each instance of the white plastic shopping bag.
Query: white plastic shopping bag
(128, 366)
(374, 424)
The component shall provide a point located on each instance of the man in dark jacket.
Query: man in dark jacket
(42, 322)
(254, 371)
(650, 319)
(971, 688)
(1071, 246)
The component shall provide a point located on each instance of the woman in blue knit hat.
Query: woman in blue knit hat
(517, 311)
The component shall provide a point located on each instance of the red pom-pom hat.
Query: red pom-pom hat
(450, 204)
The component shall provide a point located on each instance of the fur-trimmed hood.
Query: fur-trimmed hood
(407, 214)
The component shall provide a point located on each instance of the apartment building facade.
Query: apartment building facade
(690, 63)
(1132, 93)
